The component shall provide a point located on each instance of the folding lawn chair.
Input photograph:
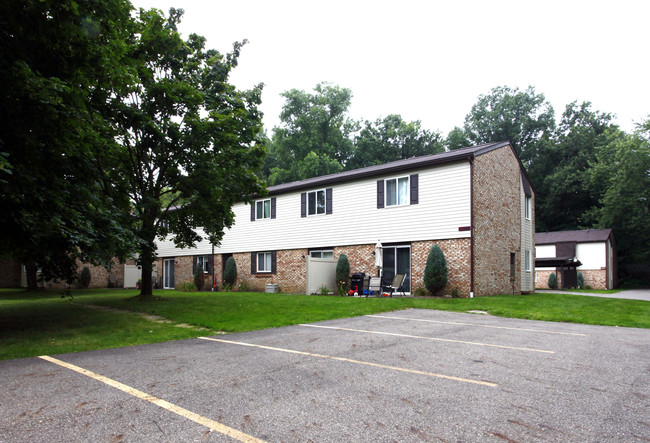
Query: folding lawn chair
(396, 285)
(374, 287)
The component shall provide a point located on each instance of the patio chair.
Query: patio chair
(374, 286)
(396, 285)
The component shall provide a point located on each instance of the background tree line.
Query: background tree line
(586, 171)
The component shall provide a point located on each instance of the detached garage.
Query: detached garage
(591, 252)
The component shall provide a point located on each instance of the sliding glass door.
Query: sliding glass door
(397, 260)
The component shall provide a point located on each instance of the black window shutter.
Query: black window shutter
(210, 263)
(194, 264)
(414, 189)
(328, 201)
(303, 204)
(380, 194)
(171, 274)
(253, 263)
(253, 211)
(273, 262)
(273, 207)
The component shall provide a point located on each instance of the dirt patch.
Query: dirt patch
(150, 317)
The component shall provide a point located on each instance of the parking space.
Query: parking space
(415, 375)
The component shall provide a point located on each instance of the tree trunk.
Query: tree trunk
(32, 280)
(146, 262)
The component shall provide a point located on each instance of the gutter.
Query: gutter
(471, 222)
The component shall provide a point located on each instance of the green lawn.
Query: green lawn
(43, 323)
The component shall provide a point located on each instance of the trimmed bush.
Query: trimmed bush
(199, 278)
(85, 277)
(552, 281)
(343, 273)
(230, 273)
(581, 281)
(435, 270)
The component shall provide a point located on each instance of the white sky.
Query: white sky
(430, 60)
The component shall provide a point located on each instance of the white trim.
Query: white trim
(264, 216)
(270, 262)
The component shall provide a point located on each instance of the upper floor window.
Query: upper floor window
(528, 207)
(263, 209)
(316, 202)
(397, 191)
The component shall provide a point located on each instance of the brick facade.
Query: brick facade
(457, 253)
(596, 279)
(497, 222)
(100, 277)
(10, 272)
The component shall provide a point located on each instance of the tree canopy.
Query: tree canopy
(186, 136)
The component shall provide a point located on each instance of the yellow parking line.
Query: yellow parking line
(394, 334)
(474, 324)
(213, 425)
(348, 360)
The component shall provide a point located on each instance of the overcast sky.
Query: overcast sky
(430, 60)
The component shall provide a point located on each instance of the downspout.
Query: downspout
(471, 223)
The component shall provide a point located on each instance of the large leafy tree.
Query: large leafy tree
(390, 139)
(187, 137)
(620, 173)
(560, 171)
(315, 136)
(60, 61)
(505, 114)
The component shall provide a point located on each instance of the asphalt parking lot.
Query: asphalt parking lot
(415, 375)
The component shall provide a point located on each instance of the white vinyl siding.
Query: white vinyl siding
(592, 255)
(444, 206)
(527, 241)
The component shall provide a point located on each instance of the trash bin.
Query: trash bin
(356, 283)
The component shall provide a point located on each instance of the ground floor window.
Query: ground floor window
(203, 263)
(264, 262)
(322, 253)
(397, 260)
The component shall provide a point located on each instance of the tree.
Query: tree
(390, 139)
(505, 114)
(230, 273)
(185, 132)
(60, 60)
(342, 273)
(457, 139)
(435, 270)
(621, 171)
(559, 173)
(315, 130)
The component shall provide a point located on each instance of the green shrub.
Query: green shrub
(242, 287)
(199, 278)
(581, 280)
(420, 291)
(230, 273)
(343, 273)
(552, 281)
(186, 286)
(435, 270)
(455, 293)
(85, 277)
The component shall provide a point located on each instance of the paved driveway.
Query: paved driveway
(632, 294)
(415, 375)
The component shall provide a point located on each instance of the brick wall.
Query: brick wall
(457, 253)
(596, 279)
(497, 222)
(99, 276)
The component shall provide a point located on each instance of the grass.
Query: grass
(42, 322)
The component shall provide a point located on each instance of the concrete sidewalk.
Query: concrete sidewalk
(632, 294)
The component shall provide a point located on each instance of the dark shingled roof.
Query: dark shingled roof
(389, 168)
(581, 236)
